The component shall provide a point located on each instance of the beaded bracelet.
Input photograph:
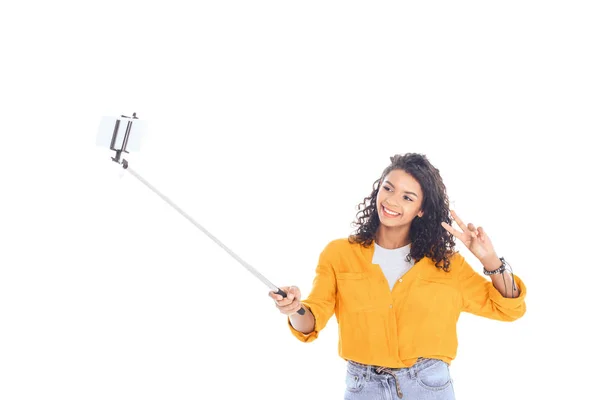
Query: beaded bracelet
(498, 270)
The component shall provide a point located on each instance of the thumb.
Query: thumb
(294, 291)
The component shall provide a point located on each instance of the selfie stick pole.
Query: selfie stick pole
(118, 143)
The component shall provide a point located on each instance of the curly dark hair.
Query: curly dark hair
(428, 237)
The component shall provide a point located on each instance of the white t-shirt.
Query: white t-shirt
(392, 262)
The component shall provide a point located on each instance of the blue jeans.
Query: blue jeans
(428, 379)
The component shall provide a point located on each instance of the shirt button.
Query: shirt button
(390, 306)
(400, 280)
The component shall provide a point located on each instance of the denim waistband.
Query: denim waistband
(370, 370)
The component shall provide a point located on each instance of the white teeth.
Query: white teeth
(390, 212)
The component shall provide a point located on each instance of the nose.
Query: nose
(392, 202)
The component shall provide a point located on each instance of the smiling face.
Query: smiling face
(399, 199)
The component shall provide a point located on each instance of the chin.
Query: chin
(388, 223)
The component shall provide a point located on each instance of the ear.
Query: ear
(420, 214)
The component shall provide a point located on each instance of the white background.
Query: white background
(268, 123)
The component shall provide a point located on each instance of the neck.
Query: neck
(392, 238)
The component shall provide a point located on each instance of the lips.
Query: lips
(387, 211)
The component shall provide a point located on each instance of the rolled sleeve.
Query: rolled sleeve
(480, 297)
(321, 300)
(511, 308)
(304, 337)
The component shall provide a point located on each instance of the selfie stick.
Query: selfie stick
(119, 139)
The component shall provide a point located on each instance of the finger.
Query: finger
(459, 221)
(482, 234)
(290, 295)
(288, 307)
(284, 289)
(275, 296)
(473, 230)
(452, 230)
(291, 308)
(288, 300)
(288, 291)
(285, 300)
(294, 291)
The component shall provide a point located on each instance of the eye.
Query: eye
(387, 188)
(406, 197)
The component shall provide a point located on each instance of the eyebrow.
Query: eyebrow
(390, 183)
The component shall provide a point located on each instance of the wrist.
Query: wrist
(498, 271)
(491, 263)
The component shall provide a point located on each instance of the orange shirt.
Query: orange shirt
(417, 318)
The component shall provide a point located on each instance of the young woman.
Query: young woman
(397, 287)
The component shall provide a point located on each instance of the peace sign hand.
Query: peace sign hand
(475, 239)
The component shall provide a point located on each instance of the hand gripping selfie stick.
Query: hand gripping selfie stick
(117, 133)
